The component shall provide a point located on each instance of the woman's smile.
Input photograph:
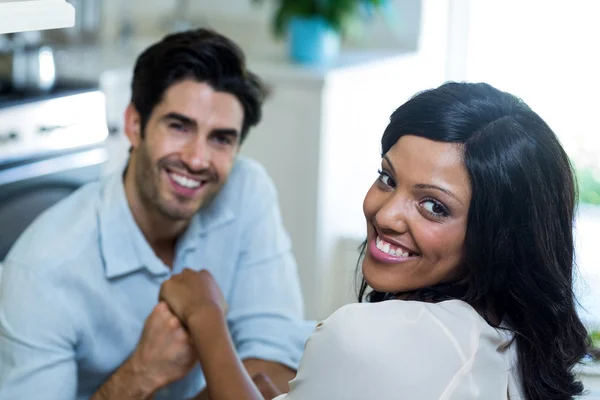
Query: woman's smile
(385, 251)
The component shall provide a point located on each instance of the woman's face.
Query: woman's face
(416, 214)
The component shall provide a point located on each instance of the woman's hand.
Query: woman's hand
(266, 387)
(195, 298)
(190, 292)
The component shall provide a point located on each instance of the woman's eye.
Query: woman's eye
(434, 208)
(386, 179)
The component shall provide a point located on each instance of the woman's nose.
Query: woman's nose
(392, 216)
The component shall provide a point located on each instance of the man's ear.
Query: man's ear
(133, 125)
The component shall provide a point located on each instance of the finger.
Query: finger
(158, 310)
(173, 323)
(157, 318)
(266, 387)
(205, 274)
(164, 290)
(161, 312)
(181, 336)
(163, 308)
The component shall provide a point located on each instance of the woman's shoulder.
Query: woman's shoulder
(422, 350)
(452, 320)
(407, 311)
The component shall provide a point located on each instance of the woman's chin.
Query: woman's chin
(379, 285)
(383, 281)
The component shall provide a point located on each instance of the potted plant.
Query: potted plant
(315, 28)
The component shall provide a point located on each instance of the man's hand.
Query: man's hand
(163, 355)
(190, 292)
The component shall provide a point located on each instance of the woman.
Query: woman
(468, 268)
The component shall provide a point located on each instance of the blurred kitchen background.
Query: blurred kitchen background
(61, 111)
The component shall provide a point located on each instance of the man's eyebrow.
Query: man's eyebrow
(226, 131)
(192, 123)
(181, 118)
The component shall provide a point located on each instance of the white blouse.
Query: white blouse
(407, 350)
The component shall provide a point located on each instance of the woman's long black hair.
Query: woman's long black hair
(519, 251)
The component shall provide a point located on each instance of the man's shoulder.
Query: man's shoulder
(249, 170)
(61, 233)
(249, 184)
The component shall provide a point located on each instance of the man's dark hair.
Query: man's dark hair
(202, 55)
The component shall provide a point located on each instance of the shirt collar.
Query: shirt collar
(123, 245)
(210, 217)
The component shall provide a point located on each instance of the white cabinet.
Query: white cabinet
(32, 15)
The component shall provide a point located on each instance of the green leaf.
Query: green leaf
(342, 15)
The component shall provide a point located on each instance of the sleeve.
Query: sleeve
(37, 342)
(265, 304)
(401, 352)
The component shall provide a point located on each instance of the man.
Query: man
(78, 296)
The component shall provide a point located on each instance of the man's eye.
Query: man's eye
(177, 126)
(224, 139)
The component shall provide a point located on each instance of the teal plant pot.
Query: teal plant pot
(312, 41)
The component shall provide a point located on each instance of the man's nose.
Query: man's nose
(197, 154)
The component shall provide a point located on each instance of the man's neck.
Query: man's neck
(160, 232)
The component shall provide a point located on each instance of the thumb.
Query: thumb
(266, 387)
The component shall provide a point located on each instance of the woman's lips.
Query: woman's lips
(388, 253)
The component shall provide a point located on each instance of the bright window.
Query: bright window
(548, 53)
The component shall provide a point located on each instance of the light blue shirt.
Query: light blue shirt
(79, 283)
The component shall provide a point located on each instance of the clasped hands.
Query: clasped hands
(166, 352)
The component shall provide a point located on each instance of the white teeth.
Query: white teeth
(387, 248)
(185, 182)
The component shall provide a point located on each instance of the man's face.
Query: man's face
(188, 148)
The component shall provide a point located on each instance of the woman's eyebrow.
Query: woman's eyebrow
(424, 185)
(428, 186)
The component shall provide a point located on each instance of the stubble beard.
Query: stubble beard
(148, 181)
